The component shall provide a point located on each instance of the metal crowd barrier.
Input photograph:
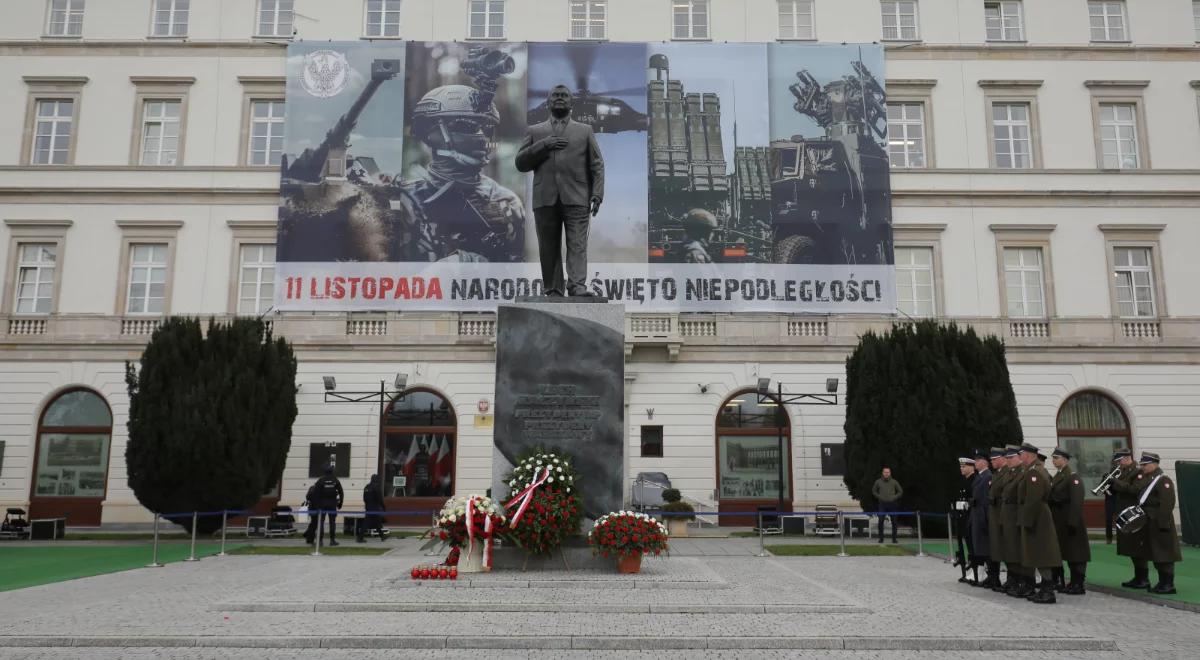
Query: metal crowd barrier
(762, 551)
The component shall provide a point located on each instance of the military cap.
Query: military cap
(996, 452)
(1029, 448)
(1122, 452)
(980, 453)
(966, 461)
(1011, 450)
(1059, 451)
(1148, 457)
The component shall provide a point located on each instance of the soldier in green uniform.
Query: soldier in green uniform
(995, 539)
(1021, 580)
(1127, 485)
(1039, 545)
(1066, 505)
(1160, 541)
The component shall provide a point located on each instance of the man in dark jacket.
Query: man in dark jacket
(964, 558)
(978, 521)
(887, 492)
(1039, 545)
(1127, 486)
(329, 500)
(1160, 541)
(996, 517)
(310, 504)
(1066, 505)
(372, 501)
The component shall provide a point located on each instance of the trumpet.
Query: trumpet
(1103, 486)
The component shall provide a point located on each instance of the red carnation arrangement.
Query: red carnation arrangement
(554, 512)
(625, 533)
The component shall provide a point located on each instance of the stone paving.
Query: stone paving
(724, 597)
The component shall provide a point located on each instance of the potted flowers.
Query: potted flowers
(468, 524)
(681, 512)
(627, 535)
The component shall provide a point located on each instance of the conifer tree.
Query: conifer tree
(917, 398)
(210, 417)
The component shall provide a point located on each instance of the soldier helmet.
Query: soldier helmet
(451, 102)
(699, 222)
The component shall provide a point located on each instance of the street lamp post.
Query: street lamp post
(828, 398)
(382, 396)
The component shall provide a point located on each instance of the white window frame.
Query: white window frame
(905, 124)
(275, 11)
(693, 8)
(1010, 92)
(145, 232)
(153, 89)
(1108, 20)
(40, 231)
(1120, 92)
(147, 269)
(488, 13)
(893, 9)
(1020, 237)
(1196, 19)
(164, 121)
(44, 275)
(263, 275)
(594, 14)
(246, 233)
(1136, 236)
(57, 134)
(1125, 274)
(274, 124)
(1005, 9)
(1119, 141)
(1010, 125)
(1025, 271)
(69, 9)
(177, 18)
(792, 10)
(387, 8)
(907, 272)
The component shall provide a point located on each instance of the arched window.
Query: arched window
(71, 463)
(748, 453)
(419, 445)
(1091, 426)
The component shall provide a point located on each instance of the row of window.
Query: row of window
(160, 131)
(1025, 287)
(1120, 135)
(916, 277)
(1120, 132)
(1004, 20)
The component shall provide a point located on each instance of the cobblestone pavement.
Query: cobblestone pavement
(872, 598)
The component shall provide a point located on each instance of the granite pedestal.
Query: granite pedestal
(560, 379)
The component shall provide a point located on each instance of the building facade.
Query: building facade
(1046, 189)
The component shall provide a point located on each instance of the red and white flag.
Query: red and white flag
(445, 466)
(410, 466)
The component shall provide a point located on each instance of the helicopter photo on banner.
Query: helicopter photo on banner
(739, 177)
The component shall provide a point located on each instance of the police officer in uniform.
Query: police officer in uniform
(977, 520)
(995, 530)
(1066, 505)
(329, 500)
(1127, 485)
(1160, 542)
(964, 559)
(1039, 545)
(1020, 581)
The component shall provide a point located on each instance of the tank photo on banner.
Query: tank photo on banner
(738, 177)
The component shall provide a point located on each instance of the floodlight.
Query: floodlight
(401, 381)
(330, 383)
(831, 385)
(764, 385)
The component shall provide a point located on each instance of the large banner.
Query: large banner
(738, 177)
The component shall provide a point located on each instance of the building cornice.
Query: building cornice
(149, 224)
(1010, 84)
(251, 224)
(1023, 228)
(1116, 84)
(78, 81)
(181, 81)
(1131, 228)
(38, 223)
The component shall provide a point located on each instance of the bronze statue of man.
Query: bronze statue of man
(568, 186)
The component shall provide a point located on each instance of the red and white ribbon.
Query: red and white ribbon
(526, 496)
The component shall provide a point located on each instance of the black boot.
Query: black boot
(1141, 577)
(1166, 582)
(1045, 595)
(1075, 588)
